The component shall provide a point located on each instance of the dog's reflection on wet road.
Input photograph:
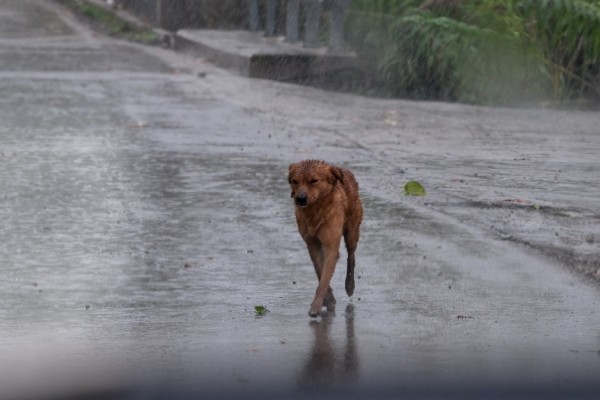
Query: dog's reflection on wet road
(328, 366)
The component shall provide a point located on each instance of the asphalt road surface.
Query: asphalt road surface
(145, 212)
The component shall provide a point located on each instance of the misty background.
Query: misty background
(492, 52)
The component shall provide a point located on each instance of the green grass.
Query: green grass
(110, 23)
(260, 310)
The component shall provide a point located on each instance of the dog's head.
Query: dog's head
(311, 180)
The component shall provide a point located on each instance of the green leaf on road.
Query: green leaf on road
(414, 188)
(260, 310)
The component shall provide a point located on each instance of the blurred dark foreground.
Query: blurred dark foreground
(316, 387)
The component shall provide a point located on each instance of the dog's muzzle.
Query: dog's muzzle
(301, 200)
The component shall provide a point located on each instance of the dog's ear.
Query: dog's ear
(336, 174)
(291, 169)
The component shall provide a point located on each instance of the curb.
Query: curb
(253, 55)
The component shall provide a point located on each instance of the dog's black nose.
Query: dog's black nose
(301, 199)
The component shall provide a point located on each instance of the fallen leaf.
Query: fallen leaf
(414, 188)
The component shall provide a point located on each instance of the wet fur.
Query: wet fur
(327, 208)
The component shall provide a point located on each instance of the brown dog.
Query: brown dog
(327, 208)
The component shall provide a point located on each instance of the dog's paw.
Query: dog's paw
(315, 310)
(314, 313)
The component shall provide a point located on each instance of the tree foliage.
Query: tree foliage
(481, 51)
(568, 34)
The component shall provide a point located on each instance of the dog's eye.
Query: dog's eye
(313, 181)
(295, 182)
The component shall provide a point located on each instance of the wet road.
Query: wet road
(145, 212)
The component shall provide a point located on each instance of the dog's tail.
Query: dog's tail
(350, 275)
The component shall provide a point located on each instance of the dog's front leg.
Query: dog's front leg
(316, 255)
(330, 242)
(315, 251)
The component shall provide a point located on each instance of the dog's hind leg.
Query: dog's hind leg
(329, 300)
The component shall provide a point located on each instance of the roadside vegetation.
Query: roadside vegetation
(496, 52)
(110, 23)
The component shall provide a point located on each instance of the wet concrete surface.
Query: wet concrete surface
(145, 212)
